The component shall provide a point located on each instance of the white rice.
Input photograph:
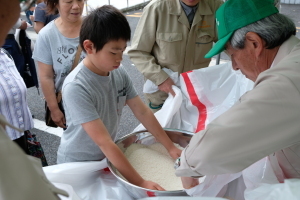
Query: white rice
(153, 163)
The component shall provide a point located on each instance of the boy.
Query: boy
(95, 93)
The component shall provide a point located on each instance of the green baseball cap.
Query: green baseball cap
(235, 14)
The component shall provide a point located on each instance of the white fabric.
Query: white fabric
(88, 180)
(16, 26)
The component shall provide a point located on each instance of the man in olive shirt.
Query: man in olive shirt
(173, 34)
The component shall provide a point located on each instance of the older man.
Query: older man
(261, 43)
(172, 34)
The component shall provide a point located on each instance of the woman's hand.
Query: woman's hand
(175, 152)
(189, 182)
(151, 185)
(58, 117)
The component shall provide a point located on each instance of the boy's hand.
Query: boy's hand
(175, 152)
(151, 185)
(189, 182)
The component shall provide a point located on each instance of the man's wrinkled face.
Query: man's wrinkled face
(244, 60)
(190, 2)
(9, 14)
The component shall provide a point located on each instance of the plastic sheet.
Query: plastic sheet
(87, 180)
(280, 191)
(201, 96)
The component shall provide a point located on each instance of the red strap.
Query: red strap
(106, 169)
(196, 102)
(151, 194)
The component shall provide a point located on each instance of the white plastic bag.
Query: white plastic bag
(209, 92)
(89, 180)
(201, 96)
(150, 87)
(240, 185)
(289, 190)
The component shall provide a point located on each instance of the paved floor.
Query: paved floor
(50, 139)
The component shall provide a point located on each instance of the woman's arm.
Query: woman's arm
(46, 76)
(147, 118)
(99, 134)
(38, 26)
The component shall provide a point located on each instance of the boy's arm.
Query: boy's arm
(99, 134)
(147, 118)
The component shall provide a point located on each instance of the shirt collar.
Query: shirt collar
(188, 9)
(285, 49)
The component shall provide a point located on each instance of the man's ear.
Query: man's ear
(88, 46)
(255, 42)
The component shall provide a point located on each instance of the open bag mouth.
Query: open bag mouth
(179, 137)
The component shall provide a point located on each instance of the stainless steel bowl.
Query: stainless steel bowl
(177, 136)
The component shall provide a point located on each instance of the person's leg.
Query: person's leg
(155, 100)
(28, 13)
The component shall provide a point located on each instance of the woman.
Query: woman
(55, 51)
(40, 16)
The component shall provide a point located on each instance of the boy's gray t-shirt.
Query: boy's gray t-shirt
(52, 48)
(88, 96)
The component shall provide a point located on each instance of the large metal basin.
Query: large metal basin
(177, 136)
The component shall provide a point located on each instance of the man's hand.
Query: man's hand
(189, 182)
(151, 185)
(166, 86)
(31, 17)
(23, 25)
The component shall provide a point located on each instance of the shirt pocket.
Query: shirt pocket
(121, 100)
(169, 47)
(203, 44)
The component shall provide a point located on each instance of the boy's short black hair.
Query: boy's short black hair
(104, 24)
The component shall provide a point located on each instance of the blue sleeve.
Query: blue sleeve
(40, 13)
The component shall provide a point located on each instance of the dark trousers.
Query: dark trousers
(22, 142)
(28, 13)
